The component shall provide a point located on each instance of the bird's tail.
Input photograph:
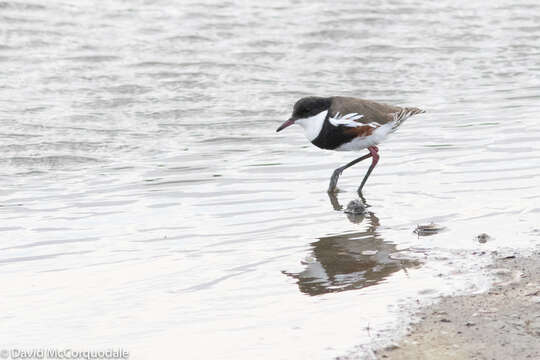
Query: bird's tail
(402, 115)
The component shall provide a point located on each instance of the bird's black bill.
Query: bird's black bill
(285, 124)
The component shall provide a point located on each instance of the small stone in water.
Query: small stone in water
(308, 260)
(369, 252)
(355, 207)
(483, 238)
(430, 229)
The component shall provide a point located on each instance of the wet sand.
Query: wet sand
(503, 323)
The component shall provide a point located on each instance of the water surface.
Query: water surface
(147, 202)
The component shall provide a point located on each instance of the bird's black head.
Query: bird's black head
(310, 106)
(306, 108)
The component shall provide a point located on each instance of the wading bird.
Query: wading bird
(347, 124)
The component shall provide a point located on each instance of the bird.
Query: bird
(348, 124)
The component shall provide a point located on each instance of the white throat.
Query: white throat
(312, 125)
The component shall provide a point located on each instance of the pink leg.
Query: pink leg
(374, 151)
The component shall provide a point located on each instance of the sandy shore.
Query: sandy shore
(503, 323)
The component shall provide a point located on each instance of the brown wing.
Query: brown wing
(372, 111)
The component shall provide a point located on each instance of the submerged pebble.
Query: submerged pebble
(429, 229)
(369, 252)
(483, 238)
(308, 260)
(355, 207)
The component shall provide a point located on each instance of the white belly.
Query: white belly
(359, 143)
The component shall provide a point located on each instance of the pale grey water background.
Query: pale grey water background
(147, 202)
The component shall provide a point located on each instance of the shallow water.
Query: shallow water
(147, 202)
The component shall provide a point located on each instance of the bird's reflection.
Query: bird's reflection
(349, 261)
